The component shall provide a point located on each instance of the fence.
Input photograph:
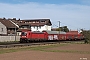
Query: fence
(9, 38)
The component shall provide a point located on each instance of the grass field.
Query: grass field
(48, 48)
(62, 51)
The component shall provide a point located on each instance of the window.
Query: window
(1, 29)
(33, 21)
(34, 27)
(42, 21)
(40, 27)
(37, 27)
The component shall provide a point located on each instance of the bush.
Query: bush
(86, 34)
(86, 41)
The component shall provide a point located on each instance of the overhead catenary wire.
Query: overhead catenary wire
(66, 24)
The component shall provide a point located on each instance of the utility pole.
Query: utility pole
(59, 30)
(15, 33)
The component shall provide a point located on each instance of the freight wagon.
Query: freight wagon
(56, 35)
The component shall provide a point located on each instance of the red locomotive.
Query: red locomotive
(27, 36)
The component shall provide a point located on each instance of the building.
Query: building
(39, 24)
(6, 27)
(13, 25)
(3, 29)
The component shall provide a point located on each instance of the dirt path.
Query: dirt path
(73, 47)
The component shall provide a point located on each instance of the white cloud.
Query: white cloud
(74, 16)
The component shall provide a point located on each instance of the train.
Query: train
(28, 36)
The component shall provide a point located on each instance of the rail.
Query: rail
(36, 43)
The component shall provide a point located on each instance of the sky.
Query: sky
(75, 14)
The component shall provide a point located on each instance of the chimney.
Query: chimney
(0, 18)
(19, 19)
(9, 19)
(4, 18)
(14, 18)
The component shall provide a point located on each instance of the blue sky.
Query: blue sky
(73, 13)
(42, 1)
(48, 1)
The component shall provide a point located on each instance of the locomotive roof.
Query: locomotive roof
(37, 32)
(55, 32)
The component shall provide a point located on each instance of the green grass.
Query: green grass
(8, 42)
(37, 48)
(68, 51)
(41, 48)
(7, 50)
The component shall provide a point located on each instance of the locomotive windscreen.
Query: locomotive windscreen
(24, 33)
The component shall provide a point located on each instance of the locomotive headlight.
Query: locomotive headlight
(23, 36)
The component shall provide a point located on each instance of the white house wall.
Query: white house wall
(3, 29)
(41, 28)
(49, 28)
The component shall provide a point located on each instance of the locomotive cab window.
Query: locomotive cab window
(24, 33)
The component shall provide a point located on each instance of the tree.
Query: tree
(64, 28)
(86, 34)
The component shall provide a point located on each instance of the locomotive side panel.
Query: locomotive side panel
(38, 36)
(28, 36)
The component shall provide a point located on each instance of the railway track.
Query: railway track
(9, 45)
(25, 44)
